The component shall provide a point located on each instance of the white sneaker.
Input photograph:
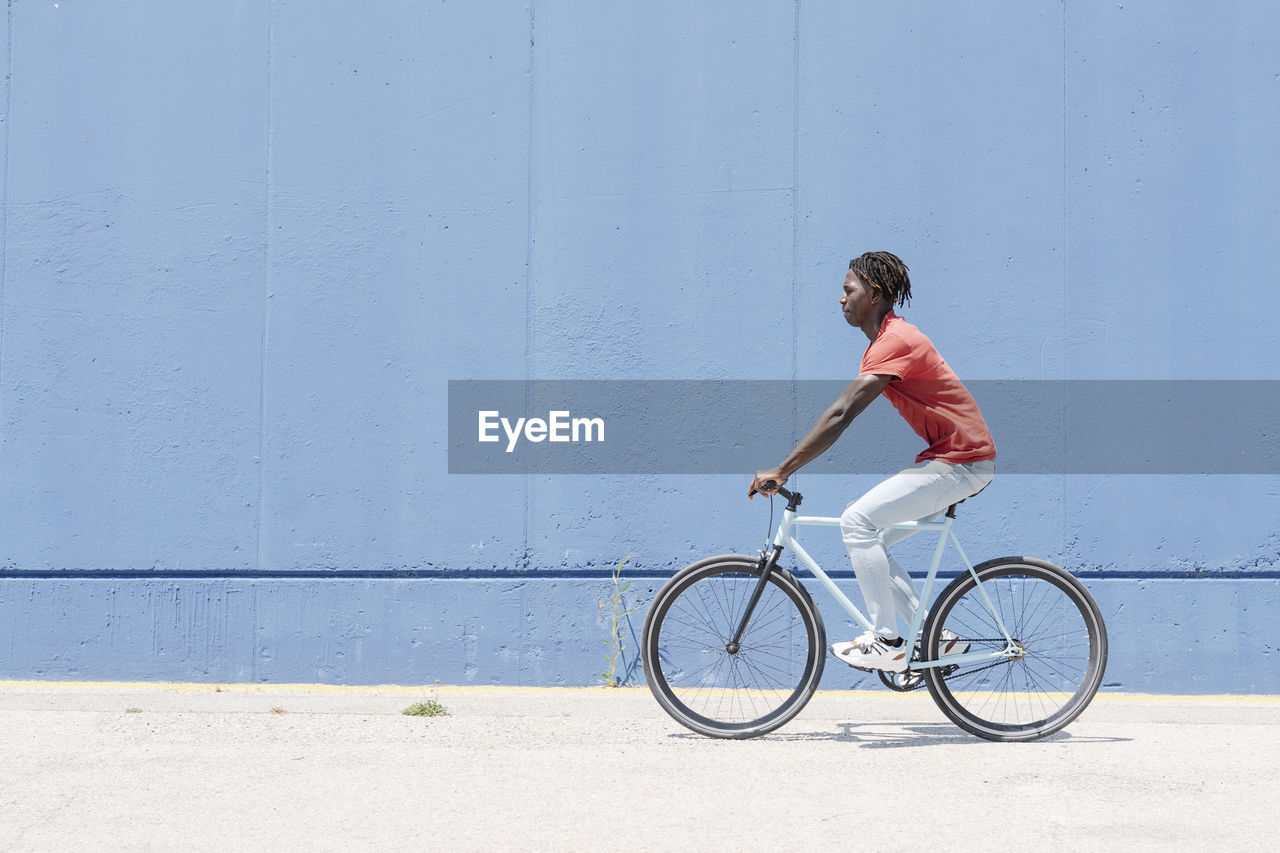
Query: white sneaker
(871, 652)
(951, 644)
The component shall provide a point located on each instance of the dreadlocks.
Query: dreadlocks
(886, 273)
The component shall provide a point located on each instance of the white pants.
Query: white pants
(923, 491)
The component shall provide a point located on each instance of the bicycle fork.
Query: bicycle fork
(767, 562)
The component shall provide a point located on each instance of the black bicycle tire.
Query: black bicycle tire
(936, 680)
(663, 692)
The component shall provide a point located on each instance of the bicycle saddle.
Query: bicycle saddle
(951, 510)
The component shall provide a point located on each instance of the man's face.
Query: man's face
(858, 300)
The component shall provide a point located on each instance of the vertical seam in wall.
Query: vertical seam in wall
(1066, 187)
(1066, 287)
(795, 228)
(4, 197)
(266, 301)
(528, 264)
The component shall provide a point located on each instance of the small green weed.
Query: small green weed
(617, 613)
(429, 708)
(133, 710)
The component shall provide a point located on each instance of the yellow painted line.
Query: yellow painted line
(599, 690)
(1237, 698)
(257, 687)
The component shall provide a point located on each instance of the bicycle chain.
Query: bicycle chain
(921, 683)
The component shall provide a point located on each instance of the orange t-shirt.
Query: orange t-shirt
(928, 394)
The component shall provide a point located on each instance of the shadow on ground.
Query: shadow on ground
(878, 736)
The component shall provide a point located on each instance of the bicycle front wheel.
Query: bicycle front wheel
(1061, 644)
(713, 688)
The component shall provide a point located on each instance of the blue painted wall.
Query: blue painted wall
(246, 246)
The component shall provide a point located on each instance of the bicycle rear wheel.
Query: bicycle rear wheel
(1063, 650)
(747, 692)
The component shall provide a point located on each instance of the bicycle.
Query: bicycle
(734, 645)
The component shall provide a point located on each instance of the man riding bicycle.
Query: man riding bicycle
(903, 364)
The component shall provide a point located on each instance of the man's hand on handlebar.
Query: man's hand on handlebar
(766, 482)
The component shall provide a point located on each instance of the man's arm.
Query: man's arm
(829, 427)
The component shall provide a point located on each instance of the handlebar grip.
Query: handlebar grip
(793, 498)
(773, 484)
(768, 484)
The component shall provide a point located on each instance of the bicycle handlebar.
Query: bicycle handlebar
(792, 497)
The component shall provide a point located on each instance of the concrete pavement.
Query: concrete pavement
(197, 767)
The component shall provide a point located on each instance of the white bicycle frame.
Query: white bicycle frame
(784, 539)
